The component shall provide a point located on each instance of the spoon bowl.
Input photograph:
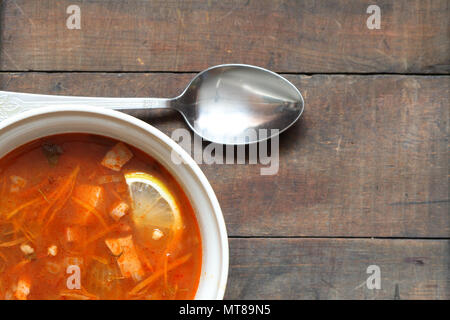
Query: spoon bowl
(239, 104)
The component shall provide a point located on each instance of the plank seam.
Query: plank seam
(195, 72)
(344, 237)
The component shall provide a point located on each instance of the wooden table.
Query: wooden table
(363, 177)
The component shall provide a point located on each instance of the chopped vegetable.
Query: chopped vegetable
(117, 157)
(127, 258)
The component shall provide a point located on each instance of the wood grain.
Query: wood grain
(368, 159)
(328, 36)
(336, 269)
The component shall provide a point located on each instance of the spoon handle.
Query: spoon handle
(14, 102)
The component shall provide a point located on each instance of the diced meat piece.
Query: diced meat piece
(89, 195)
(119, 210)
(23, 288)
(157, 234)
(74, 234)
(17, 183)
(26, 249)
(52, 250)
(127, 258)
(116, 158)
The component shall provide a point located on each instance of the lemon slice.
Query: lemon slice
(154, 207)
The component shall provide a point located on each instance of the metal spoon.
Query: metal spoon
(227, 104)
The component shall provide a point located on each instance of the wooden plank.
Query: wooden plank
(286, 36)
(337, 269)
(368, 159)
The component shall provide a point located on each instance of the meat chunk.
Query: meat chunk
(116, 158)
(119, 210)
(26, 249)
(23, 288)
(127, 258)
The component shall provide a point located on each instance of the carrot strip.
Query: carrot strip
(144, 259)
(115, 194)
(80, 296)
(6, 231)
(12, 243)
(87, 293)
(19, 265)
(100, 259)
(27, 233)
(74, 295)
(18, 209)
(57, 208)
(5, 261)
(102, 233)
(20, 227)
(90, 209)
(68, 188)
(3, 257)
(3, 188)
(166, 260)
(33, 189)
(156, 275)
(43, 195)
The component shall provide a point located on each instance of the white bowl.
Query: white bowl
(41, 122)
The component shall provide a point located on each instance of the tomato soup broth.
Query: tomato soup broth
(87, 217)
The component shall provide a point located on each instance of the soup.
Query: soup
(87, 217)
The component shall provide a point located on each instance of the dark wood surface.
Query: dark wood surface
(285, 36)
(337, 268)
(369, 159)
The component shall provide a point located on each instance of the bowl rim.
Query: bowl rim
(13, 120)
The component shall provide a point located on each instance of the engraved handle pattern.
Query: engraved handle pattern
(10, 106)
